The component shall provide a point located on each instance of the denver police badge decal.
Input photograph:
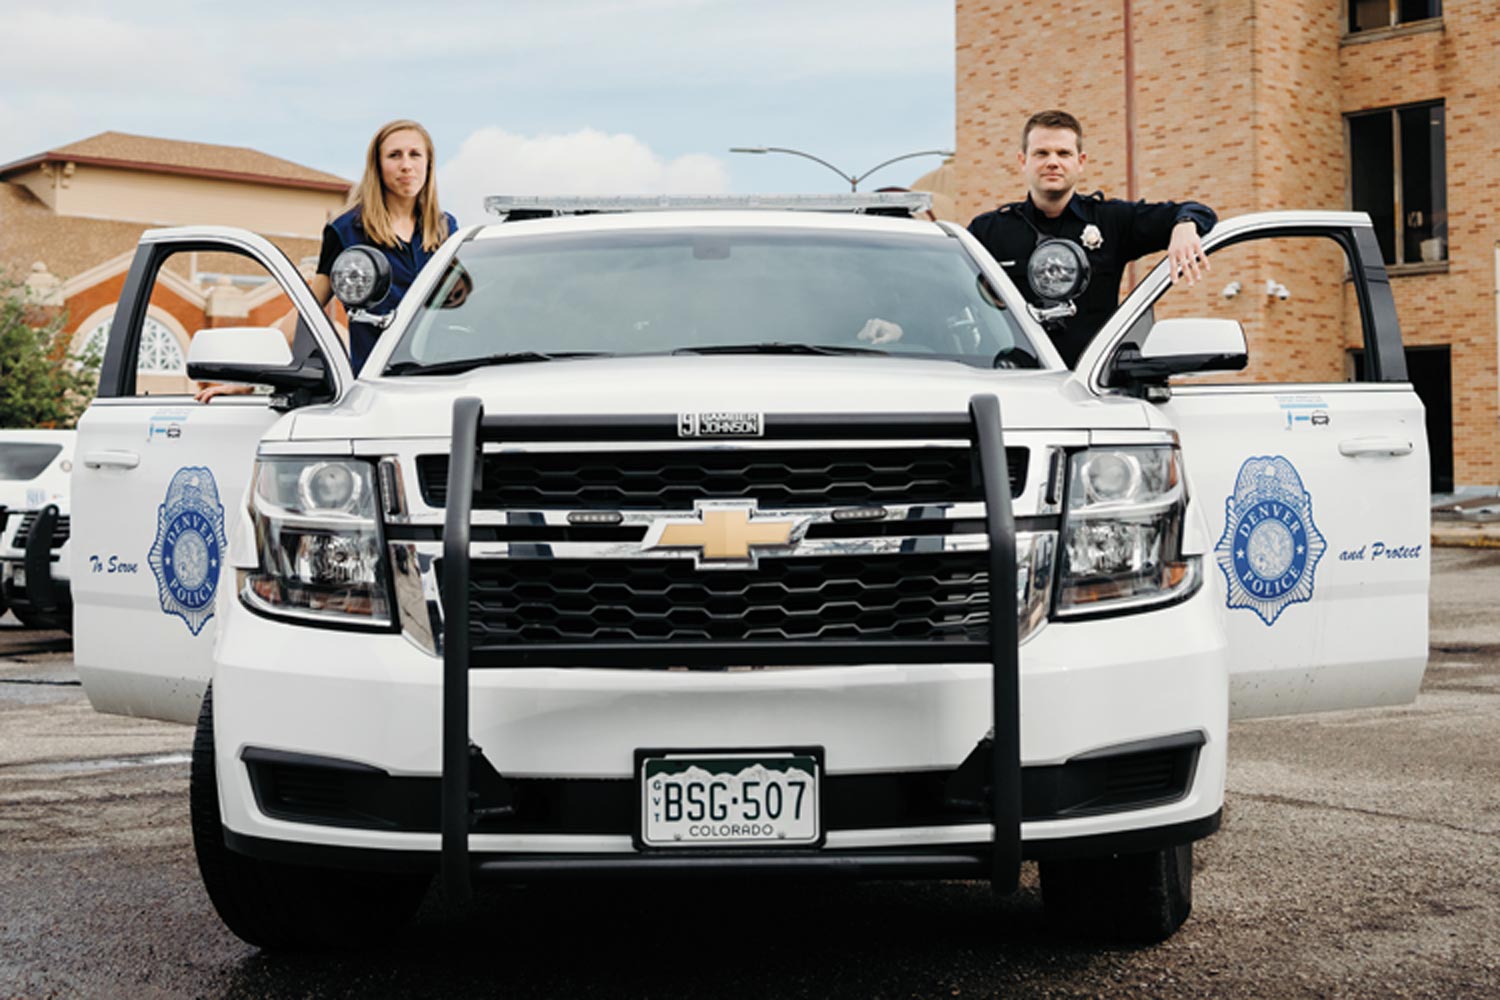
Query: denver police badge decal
(189, 547)
(1270, 546)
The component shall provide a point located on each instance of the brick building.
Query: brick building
(70, 218)
(1254, 105)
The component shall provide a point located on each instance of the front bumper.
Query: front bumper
(376, 701)
(34, 577)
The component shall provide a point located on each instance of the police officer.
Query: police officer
(1113, 232)
(395, 209)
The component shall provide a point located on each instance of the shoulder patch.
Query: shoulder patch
(189, 548)
(1270, 547)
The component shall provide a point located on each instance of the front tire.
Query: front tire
(29, 619)
(281, 906)
(1134, 898)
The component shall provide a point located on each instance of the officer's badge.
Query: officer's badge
(1091, 239)
(189, 547)
(1270, 546)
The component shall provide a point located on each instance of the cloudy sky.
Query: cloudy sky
(521, 96)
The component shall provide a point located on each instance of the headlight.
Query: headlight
(317, 535)
(1122, 531)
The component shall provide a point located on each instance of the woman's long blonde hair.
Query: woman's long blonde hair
(369, 195)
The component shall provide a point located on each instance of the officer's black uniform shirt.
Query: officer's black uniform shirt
(1127, 230)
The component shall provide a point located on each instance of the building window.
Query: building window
(1371, 15)
(1398, 175)
(160, 352)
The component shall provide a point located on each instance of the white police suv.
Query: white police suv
(35, 558)
(745, 536)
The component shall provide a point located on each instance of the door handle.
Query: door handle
(1355, 447)
(111, 460)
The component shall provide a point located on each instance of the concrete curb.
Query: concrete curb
(1457, 534)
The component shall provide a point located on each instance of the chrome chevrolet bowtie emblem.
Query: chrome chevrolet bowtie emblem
(726, 534)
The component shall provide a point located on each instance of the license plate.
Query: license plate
(756, 799)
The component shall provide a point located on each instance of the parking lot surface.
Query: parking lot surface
(1360, 857)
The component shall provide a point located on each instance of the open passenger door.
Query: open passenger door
(1314, 487)
(159, 478)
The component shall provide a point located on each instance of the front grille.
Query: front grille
(672, 480)
(59, 533)
(907, 598)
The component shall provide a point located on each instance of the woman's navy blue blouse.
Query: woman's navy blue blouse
(406, 258)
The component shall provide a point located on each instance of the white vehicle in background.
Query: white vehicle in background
(633, 552)
(35, 467)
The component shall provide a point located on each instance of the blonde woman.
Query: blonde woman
(395, 209)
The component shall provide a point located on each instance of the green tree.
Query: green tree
(41, 384)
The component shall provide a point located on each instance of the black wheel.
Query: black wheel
(1138, 898)
(31, 618)
(28, 618)
(281, 906)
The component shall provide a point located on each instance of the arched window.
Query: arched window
(160, 352)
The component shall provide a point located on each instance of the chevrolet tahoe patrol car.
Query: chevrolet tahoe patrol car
(744, 537)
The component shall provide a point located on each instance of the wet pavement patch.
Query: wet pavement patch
(94, 765)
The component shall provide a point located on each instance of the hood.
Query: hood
(422, 407)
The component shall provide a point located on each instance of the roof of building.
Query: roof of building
(69, 245)
(173, 156)
(942, 183)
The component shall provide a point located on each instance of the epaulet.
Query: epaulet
(1096, 196)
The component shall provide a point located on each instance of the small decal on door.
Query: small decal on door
(189, 547)
(166, 426)
(1271, 546)
(1301, 410)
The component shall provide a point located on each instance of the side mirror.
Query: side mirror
(1180, 347)
(251, 355)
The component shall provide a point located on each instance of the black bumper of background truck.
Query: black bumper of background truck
(1000, 860)
(43, 599)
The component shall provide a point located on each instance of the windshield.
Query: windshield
(20, 461)
(714, 290)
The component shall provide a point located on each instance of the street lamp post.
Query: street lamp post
(852, 179)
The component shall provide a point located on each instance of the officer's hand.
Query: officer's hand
(1185, 253)
(209, 391)
(880, 331)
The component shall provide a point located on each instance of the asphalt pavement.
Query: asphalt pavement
(1360, 857)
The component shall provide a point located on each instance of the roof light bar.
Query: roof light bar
(517, 207)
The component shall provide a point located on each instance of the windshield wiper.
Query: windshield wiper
(469, 364)
(776, 347)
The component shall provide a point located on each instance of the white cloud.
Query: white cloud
(494, 161)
